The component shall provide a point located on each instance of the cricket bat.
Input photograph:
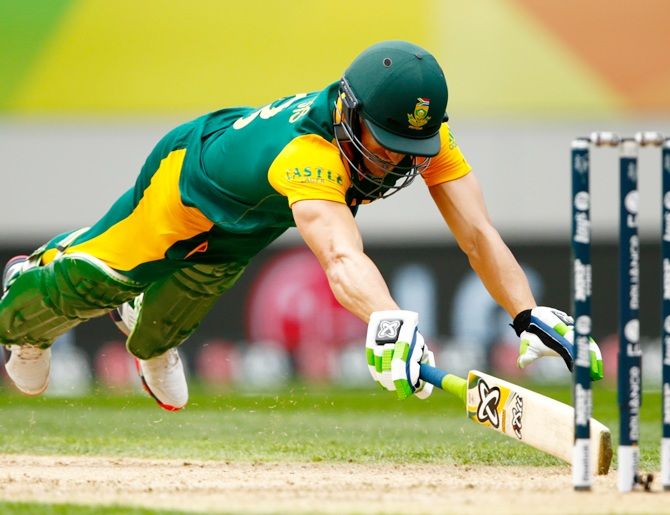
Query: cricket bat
(529, 417)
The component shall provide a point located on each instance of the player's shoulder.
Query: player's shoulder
(312, 148)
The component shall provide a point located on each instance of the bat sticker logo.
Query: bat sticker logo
(517, 413)
(488, 405)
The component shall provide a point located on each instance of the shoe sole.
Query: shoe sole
(33, 394)
(166, 407)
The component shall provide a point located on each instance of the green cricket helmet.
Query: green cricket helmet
(398, 90)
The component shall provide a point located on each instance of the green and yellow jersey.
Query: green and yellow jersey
(220, 188)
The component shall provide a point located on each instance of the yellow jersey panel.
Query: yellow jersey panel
(159, 220)
(309, 168)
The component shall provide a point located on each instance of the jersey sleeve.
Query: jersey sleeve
(309, 168)
(449, 163)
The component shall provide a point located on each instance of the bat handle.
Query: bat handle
(432, 375)
(445, 381)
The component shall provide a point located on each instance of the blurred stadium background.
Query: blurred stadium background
(88, 86)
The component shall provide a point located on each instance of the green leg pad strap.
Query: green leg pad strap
(46, 301)
(172, 308)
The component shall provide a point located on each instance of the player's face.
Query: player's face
(376, 171)
(384, 154)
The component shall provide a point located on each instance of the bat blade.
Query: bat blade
(531, 418)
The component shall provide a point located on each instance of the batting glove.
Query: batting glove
(550, 332)
(395, 350)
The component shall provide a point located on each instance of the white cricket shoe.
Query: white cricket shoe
(163, 378)
(28, 367)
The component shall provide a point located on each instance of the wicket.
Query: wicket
(630, 353)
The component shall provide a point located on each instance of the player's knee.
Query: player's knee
(207, 280)
(46, 301)
(81, 286)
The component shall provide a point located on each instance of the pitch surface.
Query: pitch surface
(301, 487)
(298, 450)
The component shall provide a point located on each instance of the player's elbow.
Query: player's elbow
(341, 268)
(336, 262)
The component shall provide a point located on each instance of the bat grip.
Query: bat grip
(432, 375)
(455, 385)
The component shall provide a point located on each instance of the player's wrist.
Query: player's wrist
(521, 321)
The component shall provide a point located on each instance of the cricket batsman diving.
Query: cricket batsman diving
(218, 189)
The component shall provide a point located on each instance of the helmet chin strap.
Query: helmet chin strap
(370, 187)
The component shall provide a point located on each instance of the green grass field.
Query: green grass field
(297, 424)
(22, 508)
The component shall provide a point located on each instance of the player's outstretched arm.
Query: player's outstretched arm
(461, 204)
(330, 231)
(542, 331)
(395, 348)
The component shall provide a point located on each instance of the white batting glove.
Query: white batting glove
(550, 332)
(395, 350)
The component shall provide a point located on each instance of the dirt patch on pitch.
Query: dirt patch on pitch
(278, 487)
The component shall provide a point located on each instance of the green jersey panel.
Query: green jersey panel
(227, 176)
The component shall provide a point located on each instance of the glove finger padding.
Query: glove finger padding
(596, 369)
(596, 358)
(406, 364)
(379, 365)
